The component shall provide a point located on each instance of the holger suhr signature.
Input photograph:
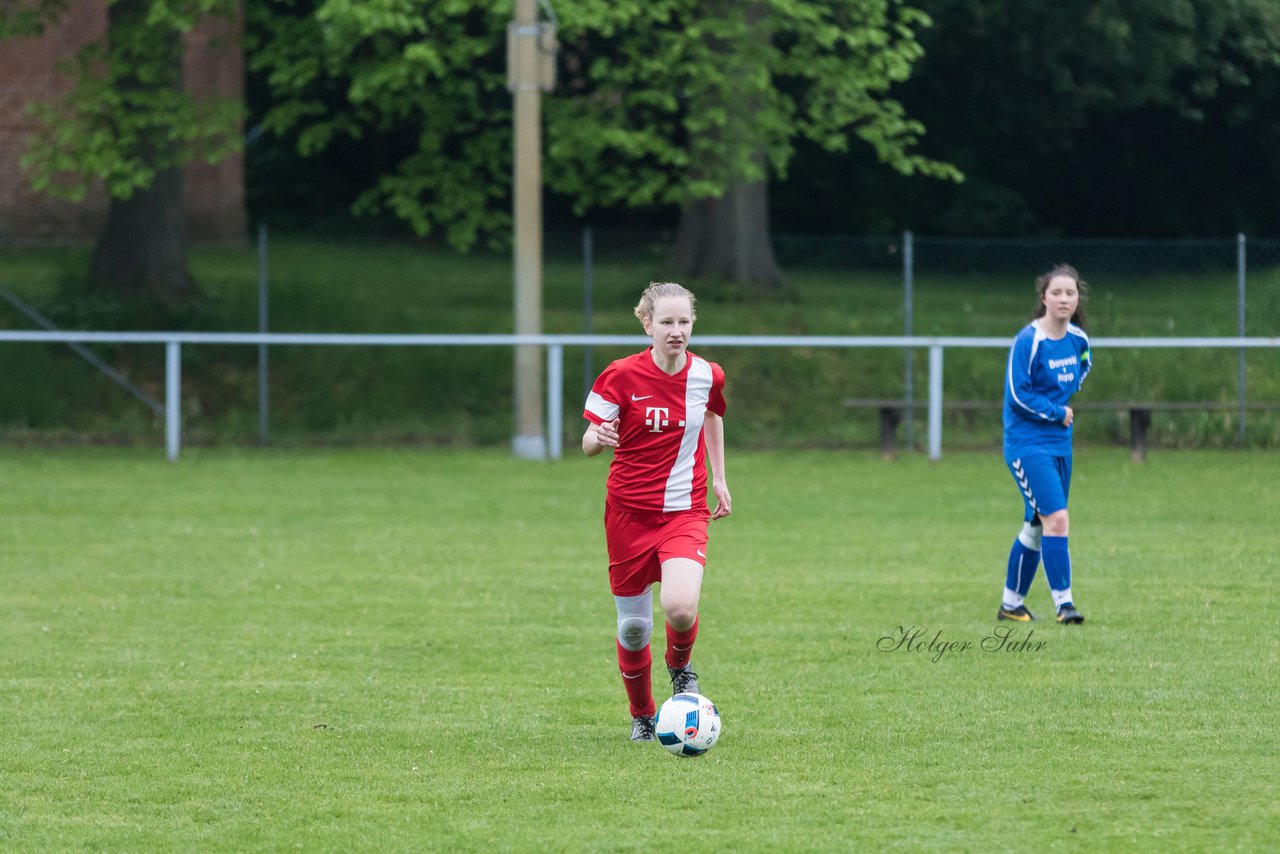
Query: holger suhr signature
(918, 639)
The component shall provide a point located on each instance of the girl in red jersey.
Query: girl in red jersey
(661, 411)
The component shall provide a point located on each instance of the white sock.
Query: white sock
(1011, 599)
(1062, 597)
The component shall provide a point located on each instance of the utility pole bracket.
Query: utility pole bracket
(546, 45)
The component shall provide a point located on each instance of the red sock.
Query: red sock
(680, 645)
(635, 665)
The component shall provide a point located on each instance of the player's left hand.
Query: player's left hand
(724, 502)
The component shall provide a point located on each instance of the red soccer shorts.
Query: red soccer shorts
(640, 542)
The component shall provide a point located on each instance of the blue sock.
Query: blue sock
(1057, 568)
(1023, 563)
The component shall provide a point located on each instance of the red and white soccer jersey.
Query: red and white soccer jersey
(659, 465)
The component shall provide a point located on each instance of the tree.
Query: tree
(1097, 118)
(421, 84)
(700, 104)
(127, 123)
(665, 102)
(29, 19)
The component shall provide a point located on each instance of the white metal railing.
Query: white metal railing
(555, 345)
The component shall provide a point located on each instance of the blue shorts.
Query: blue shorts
(1044, 481)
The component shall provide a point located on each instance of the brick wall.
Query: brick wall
(214, 197)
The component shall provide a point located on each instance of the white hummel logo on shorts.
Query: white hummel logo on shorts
(641, 397)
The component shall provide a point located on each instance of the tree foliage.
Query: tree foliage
(669, 101)
(28, 19)
(126, 118)
(649, 106)
(427, 75)
(1141, 117)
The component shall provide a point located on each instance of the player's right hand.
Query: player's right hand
(1069, 417)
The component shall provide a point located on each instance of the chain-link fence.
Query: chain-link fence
(926, 269)
(920, 285)
(1163, 268)
(803, 397)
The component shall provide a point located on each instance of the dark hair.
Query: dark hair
(1042, 285)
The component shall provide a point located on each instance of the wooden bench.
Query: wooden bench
(892, 409)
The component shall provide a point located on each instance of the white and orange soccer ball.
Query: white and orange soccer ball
(688, 725)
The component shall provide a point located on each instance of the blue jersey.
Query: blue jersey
(1040, 378)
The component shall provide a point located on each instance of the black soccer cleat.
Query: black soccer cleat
(1020, 613)
(1069, 616)
(643, 728)
(683, 679)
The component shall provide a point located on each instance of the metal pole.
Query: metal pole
(588, 282)
(262, 327)
(555, 400)
(908, 298)
(1240, 280)
(172, 402)
(529, 443)
(935, 401)
(84, 352)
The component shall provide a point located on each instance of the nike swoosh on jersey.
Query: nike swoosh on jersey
(641, 397)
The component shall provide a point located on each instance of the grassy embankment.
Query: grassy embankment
(462, 395)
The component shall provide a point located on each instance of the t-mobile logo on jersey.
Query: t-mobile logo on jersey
(657, 417)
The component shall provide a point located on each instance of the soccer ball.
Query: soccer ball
(688, 724)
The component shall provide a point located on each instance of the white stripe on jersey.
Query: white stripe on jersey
(600, 407)
(1085, 367)
(697, 392)
(1035, 344)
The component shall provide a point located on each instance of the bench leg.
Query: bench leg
(890, 417)
(1139, 421)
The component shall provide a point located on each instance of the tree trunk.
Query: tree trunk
(142, 251)
(141, 255)
(728, 238)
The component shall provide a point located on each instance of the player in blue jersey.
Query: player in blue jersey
(1047, 365)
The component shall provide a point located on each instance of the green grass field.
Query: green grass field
(413, 650)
